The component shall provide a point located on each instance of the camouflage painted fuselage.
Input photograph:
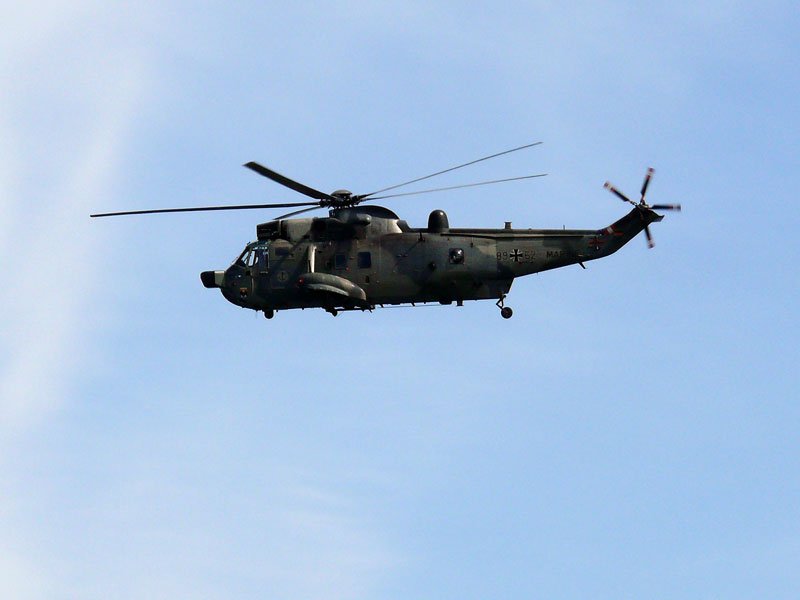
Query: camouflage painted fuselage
(359, 258)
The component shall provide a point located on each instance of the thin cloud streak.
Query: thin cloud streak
(322, 549)
(46, 238)
(47, 300)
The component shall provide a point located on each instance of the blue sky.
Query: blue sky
(631, 432)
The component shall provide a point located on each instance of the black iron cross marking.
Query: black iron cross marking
(516, 255)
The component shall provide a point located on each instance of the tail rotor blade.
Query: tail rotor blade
(646, 182)
(617, 193)
(666, 207)
(649, 236)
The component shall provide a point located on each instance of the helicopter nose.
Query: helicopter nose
(212, 279)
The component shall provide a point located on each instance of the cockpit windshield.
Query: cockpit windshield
(245, 258)
(255, 254)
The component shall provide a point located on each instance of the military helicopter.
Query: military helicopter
(361, 257)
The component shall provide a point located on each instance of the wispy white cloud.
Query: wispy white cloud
(47, 237)
(65, 125)
(328, 551)
(18, 576)
(49, 176)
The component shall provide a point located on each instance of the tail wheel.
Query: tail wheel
(506, 312)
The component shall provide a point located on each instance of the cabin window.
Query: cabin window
(364, 260)
(456, 256)
(340, 261)
(262, 259)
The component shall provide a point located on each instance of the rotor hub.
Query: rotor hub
(342, 199)
(342, 194)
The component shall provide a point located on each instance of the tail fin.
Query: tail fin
(628, 227)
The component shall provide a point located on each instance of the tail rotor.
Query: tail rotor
(642, 204)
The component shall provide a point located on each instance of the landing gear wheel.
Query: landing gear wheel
(505, 311)
(269, 313)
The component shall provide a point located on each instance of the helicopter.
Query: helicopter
(361, 257)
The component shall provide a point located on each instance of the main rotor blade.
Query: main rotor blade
(666, 207)
(617, 193)
(472, 162)
(646, 182)
(296, 212)
(290, 183)
(455, 187)
(205, 208)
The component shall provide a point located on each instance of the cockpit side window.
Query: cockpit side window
(254, 254)
(245, 258)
